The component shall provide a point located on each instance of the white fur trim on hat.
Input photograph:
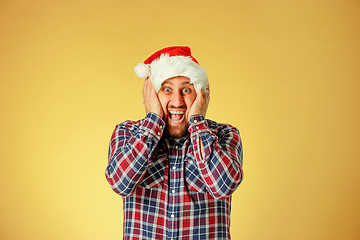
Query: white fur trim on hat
(166, 67)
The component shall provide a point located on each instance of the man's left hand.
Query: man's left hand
(201, 103)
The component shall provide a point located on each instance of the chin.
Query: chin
(177, 133)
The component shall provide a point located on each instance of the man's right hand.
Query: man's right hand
(151, 99)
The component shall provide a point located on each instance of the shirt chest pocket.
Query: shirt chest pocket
(155, 173)
(194, 181)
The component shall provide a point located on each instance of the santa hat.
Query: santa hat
(172, 62)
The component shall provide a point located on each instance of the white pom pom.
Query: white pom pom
(142, 70)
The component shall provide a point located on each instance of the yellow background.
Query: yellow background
(286, 73)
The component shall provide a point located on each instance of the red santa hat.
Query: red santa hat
(172, 62)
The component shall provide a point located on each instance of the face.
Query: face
(176, 96)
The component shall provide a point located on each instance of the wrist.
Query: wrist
(195, 119)
(157, 114)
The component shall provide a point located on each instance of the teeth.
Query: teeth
(176, 121)
(176, 112)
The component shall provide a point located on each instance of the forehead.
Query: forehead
(177, 81)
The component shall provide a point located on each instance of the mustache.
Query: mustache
(182, 107)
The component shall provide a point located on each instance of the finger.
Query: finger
(145, 88)
(208, 93)
(200, 94)
(151, 87)
(205, 95)
(144, 93)
(148, 90)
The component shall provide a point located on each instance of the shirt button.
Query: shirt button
(159, 133)
(173, 167)
(161, 127)
(176, 147)
(191, 162)
(173, 191)
(197, 127)
(172, 215)
(195, 121)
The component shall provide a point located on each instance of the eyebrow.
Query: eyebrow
(170, 82)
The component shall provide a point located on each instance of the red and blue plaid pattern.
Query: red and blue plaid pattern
(170, 190)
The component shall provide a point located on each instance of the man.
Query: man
(175, 169)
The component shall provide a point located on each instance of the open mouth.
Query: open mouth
(176, 116)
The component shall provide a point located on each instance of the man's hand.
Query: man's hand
(151, 100)
(201, 103)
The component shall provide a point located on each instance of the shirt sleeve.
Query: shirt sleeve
(131, 147)
(220, 159)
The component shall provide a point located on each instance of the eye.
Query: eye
(186, 90)
(167, 90)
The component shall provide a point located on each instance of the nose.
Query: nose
(177, 99)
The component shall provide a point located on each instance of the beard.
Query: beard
(177, 132)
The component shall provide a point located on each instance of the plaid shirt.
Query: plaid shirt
(170, 190)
